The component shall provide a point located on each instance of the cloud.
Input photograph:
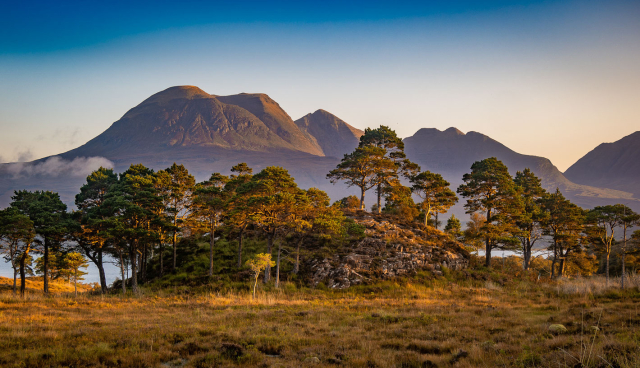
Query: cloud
(56, 166)
(25, 156)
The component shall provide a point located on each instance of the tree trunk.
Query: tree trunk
(527, 254)
(124, 280)
(46, 266)
(75, 283)
(103, 278)
(240, 236)
(212, 241)
(555, 256)
(487, 243)
(487, 253)
(607, 268)
(561, 267)
(254, 286)
(134, 270)
(379, 189)
(267, 270)
(175, 237)
(22, 275)
(278, 264)
(15, 276)
(362, 198)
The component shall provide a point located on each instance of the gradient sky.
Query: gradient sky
(547, 78)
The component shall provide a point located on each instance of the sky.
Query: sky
(545, 78)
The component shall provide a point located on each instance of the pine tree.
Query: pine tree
(490, 189)
(210, 204)
(563, 221)
(364, 169)
(92, 226)
(179, 188)
(49, 217)
(16, 236)
(531, 214)
(454, 227)
(238, 212)
(604, 220)
(434, 192)
(388, 140)
(271, 199)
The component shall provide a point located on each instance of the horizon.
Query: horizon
(545, 78)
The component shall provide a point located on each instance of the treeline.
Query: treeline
(138, 213)
(134, 216)
(511, 213)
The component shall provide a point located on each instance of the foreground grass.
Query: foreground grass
(35, 285)
(413, 324)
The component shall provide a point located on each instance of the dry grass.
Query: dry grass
(440, 324)
(34, 285)
(597, 285)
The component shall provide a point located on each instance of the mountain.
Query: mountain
(209, 133)
(330, 133)
(205, 132)
(610, 165)
(451, 153)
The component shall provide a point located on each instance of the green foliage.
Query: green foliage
(563, 221)
(365, 168)
(354, 229)
(490, 189)
(454, 227)
(434, 192)
(351, 203)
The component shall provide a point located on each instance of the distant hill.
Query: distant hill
(451, 153)
(610, 165)
(331, 134)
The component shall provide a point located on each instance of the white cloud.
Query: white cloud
(56, 166)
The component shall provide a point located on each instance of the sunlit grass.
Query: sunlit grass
(392, 324)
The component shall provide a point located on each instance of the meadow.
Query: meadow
(472, 318)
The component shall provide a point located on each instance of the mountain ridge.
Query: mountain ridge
(210, 133)
(613, 165)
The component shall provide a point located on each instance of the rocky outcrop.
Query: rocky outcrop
(387, 251)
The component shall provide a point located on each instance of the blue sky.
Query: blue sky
(550, 78)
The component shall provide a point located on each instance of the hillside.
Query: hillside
(610, 165)
(206, 133)
(331, 134)
(451, 153)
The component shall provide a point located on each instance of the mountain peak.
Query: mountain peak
(453, 131)
(329, 132)
(177, 92)
(428, 132)
(611, 165)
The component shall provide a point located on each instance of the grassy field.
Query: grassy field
(420, 322)
(34, 285)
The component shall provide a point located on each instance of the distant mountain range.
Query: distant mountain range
(209, 133)
(611, 165)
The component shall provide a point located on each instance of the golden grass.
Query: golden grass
(34, 285)
(441, 324)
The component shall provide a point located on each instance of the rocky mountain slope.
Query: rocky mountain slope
(610, 165)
